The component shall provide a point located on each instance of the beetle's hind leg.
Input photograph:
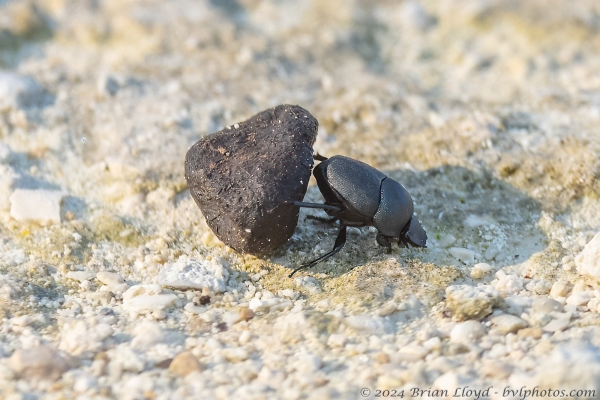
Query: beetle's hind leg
(384, 241)
(319, 157)
(340, 241)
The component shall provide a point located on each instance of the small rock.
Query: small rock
(508, 284)
(559, 289)
(465, 255)
(40, 363)
(79, 336)
(184, 364)
(188, 273)
(387, 309)
(535, 333)
(367, 323)
(508, 323)
(149, 304)
(410, 353)
(336, 340)
(480, 270)
(308, 283)
(579, 298)
(245, 313)
(113, 281)
(246, 179)
(467, 332)
(18, 91)
(236, 354)
(144, 299)
(124, 358)
(109, 278)
(447, 241)
(102, 298)
(539, 286)
(588, 261)
(40, 206)
(546, 306)
(83, 383)
(193, 309)
(81, 275)
(557, 325)
(148, 334)
(432, 344)
(467, 302)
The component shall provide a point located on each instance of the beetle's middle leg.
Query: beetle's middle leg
(340, 241)
(384, 241)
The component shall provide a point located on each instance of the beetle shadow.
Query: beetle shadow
(459, 208)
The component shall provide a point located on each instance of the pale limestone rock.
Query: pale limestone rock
(40, 363)
(559, 289)
(467, 332)
(39, 205)
(145, 299)
(79, 337)
(109, 278)
(546, 305)
(468, 302)
(508, 323)
(588, 261)
(508, 284)
(81, 276)
(187, 273)
(579, 298)
(148, 304)
(465, 255)
(148, 334)
(184, 364)
(480, 270)
(557, 325)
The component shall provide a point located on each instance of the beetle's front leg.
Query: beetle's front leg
(385, 241)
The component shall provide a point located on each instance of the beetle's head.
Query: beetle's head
(413, 234)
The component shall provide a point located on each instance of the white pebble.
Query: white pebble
(336, 340)
(480, 270)
(559, 289)
(465, 255)
(41, 206)
(507, 323)
(466, 332)
(187, 273)
(579, 298)
(81, 276)
(557, 325)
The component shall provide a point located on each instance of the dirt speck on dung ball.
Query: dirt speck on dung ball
(246, 177)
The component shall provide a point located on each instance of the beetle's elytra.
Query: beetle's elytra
(357, 195)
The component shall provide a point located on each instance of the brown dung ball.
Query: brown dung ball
(246, 177)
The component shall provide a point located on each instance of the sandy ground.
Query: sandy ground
(112, 285)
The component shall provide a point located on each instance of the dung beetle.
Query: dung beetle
(357, 195)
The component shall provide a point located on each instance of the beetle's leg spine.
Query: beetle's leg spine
(317, 205)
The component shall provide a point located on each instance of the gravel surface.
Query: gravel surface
(113, 286)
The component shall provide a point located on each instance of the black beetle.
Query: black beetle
(357, 194)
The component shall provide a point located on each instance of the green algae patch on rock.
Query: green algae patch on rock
(246, 177)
